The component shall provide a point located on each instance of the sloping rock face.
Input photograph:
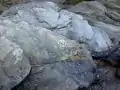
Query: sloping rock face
(54, 56)
(108, 79)
(68, 24)
(105, 15)
(48, 37)
(59, 76)
(14, 66)
(97, 11)
(57, 62)
(102, 14)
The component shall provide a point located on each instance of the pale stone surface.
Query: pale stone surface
(43, 31)
(50, 16)
(104, 15)
(14, 66)
(33, 29)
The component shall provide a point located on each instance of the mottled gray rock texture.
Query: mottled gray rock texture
(59, 76)
(101, 15)
(68, 24)
(47, 50)
(104, 15)
(14, 66)
(99, 11)
(108, 79)
(48, 37)
(57, 62)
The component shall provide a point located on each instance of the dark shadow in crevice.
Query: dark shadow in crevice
(82, 88)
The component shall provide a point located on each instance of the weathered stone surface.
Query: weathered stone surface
(45, 48)
(42, 44)
(111, 30)
(68, 24)
(14, 66)
(102, 16)
(54, 58)
(92, 9)
(43, 31)
(59, 76)
(55, 1)
(99, 11)
(108, 79)
(94, 6)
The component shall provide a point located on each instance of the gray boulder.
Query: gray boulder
(108, 79)
(66, 23)
(59, 76)
(111, 30)
(48, 36)
(37, 35)
(14, 66)
(58, 63)
(54, 56)
(98, 11)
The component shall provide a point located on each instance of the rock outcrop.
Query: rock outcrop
(14, 66)
(104, 14)
(68, 24)
(57, 62)
(54, 44)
